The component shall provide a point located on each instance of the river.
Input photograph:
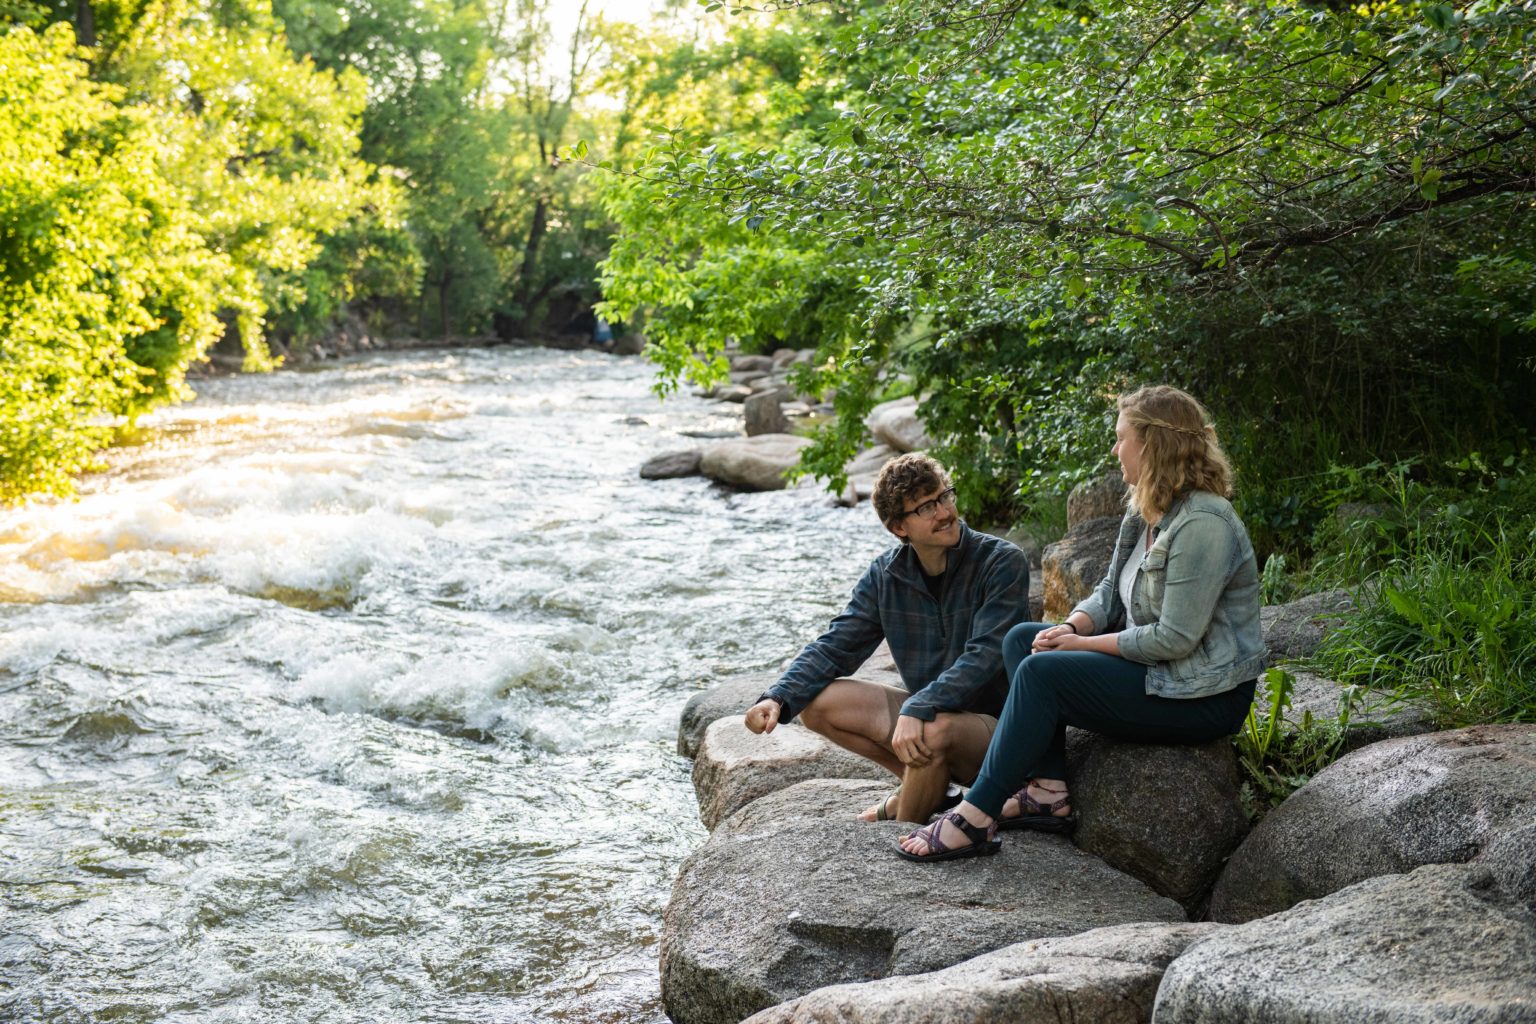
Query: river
(350, 694)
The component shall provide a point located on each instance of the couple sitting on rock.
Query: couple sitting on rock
(1167, 649)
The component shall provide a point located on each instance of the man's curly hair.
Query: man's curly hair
(903, 480)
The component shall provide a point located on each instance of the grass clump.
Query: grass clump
(1445, 583)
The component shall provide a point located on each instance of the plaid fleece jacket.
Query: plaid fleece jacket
(949, 651)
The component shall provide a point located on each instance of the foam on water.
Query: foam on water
(348, 695)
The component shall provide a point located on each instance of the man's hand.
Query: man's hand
(908, 743)
(764, 715)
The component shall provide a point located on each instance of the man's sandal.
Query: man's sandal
(951, 798)
(982, 843)
(1038, 816)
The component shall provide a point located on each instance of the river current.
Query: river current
(350, 694)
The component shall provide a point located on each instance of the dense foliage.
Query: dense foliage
(177, 179)
(1316, 217)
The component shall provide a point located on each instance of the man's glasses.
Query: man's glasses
(930, 508)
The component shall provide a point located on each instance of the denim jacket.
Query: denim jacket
(1195, 599)
(949, 651)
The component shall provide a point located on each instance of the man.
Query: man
(944, 598)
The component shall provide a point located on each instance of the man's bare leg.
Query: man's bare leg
(859, 716)
(959, 742)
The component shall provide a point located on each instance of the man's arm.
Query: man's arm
(1001, 602)
(848, 642)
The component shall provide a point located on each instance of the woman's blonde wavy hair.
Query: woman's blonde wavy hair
(1179, 451)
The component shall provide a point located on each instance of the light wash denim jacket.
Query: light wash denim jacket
(1195, 599)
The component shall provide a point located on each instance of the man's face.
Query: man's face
(931, 519)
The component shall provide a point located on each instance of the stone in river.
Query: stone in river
(753, 463)
(762, 414)
(670, 465)
(775, 905)
(728, 699)
(896, 424)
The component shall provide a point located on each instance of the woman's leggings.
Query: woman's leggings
(1107, 694)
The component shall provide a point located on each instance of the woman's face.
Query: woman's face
(1128, 450)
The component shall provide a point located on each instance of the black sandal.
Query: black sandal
(1037, 816)
(982, 843)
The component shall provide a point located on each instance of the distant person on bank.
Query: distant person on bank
(1167, 649)
(944, 597)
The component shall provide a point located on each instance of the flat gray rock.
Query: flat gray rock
(753, 463)
(1169, 815)
(1445, 797)
(1442, 944)
(671, 465)
(1294, 631)
(774, 906)
(1107, 976)
(735, 766)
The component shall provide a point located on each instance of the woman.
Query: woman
(1167, 649)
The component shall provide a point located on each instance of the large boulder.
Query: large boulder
(753, 463)
(896, 425)
(1074, 565)
(1443, 943)
(1169, 815)
(775, 905)
(670, 465)
(1108, 976)
(735, 766)
(762, 414)
(1102, 496)
(1294, 631)
(727, 699)
(1387, 808)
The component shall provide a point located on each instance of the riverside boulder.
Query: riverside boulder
(1384, 809)
(1443, 943)
(1074, 565)
(774, 906)
(735, 766)
(1168, 815)
(753, 463)
(1108, 976)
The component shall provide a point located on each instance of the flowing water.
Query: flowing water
(351, 694)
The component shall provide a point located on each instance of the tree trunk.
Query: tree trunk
(525, 294)
(85, 23)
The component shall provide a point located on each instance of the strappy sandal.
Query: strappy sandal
(982, 843)
(1038, 816)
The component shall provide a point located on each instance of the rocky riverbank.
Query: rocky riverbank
(1399, 884)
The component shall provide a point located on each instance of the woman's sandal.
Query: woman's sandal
(982, 843)
(1037, 816)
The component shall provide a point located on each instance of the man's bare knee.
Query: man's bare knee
(940, 734)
